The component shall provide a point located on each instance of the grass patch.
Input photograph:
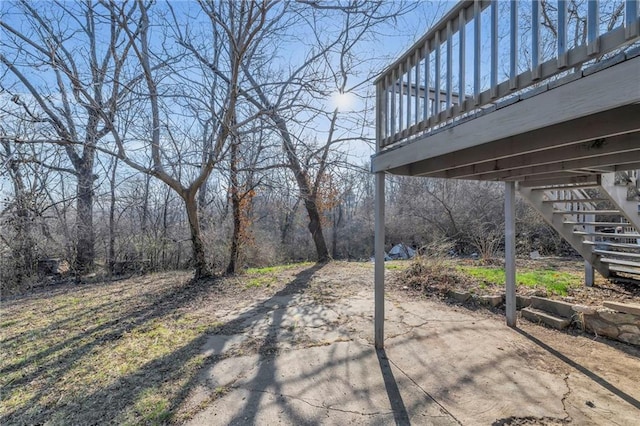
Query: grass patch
(394, 265)
(276, 268)
(267, 276)
(120, 352)
(123, 352)
(152, 407)
(553, 281)
(260, 281)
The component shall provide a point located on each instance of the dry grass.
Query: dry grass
(124, 352)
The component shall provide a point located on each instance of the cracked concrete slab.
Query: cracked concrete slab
(333, 384)
(296, 360)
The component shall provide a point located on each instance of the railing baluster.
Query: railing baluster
(593, 21)
(427, 77)
(513, 75)
(535, 39)
(463, 48)
(562, 33)
(381, 118)
(631, 19)
(393, 102)
(449, 68)
(387, 108)
(417, 92)
(477, 13)
(401, 98)
(436, 109)
(409, 91)
(494, 49)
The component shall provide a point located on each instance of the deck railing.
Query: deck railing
(482, 51)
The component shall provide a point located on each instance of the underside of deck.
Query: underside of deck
(565, 132)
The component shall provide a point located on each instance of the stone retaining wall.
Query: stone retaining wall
(611, 323)
(618, 321)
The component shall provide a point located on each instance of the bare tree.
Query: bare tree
(291, 102)
(235, 26)
(55, 54)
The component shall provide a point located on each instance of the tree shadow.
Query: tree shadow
(265, 376)
(109, 402)
(590, 374)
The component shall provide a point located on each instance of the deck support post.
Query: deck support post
(510, 251)
(588, 267)
(588, 274)
(379, 261)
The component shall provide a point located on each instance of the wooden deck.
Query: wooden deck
(566, 120)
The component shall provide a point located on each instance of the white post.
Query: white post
(510, 250)
(379, 259)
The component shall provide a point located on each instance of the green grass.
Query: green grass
(260, 281)
(276, 269)
(267, 276)
(553, 281)
(393, 265)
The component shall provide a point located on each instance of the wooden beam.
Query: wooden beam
(611, 123)
(559, 180)
(569, 158)
(595, 93)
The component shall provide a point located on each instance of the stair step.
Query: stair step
(555, 307)
(579, 200)
(617, 268)
(617, 253)
(571, 222)
(606, 234)
(536, 315)
(611, 212)
(610, 244)
(621, 262)
(590, 185)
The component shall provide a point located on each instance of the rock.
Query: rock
(491, 300)
(601, 327)
(628, 328)
(587, 310)
(633, 339)
(627, 308)
(617, 317)
(522, 301)
(535, 255)
(459, 296)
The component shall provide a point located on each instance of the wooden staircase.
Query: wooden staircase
(598, 219)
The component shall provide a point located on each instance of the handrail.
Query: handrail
(423, 90)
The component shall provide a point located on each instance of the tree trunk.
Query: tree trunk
(337, 220)
(199, 261)
(315, 227)
(309, 197)
(85, 251)
(234, 252)
(24, 248)
(112, 223)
